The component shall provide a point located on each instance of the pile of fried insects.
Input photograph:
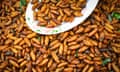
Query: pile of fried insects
(93, 46)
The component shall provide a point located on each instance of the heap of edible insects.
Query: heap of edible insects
(51, 13)
(93, 46)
